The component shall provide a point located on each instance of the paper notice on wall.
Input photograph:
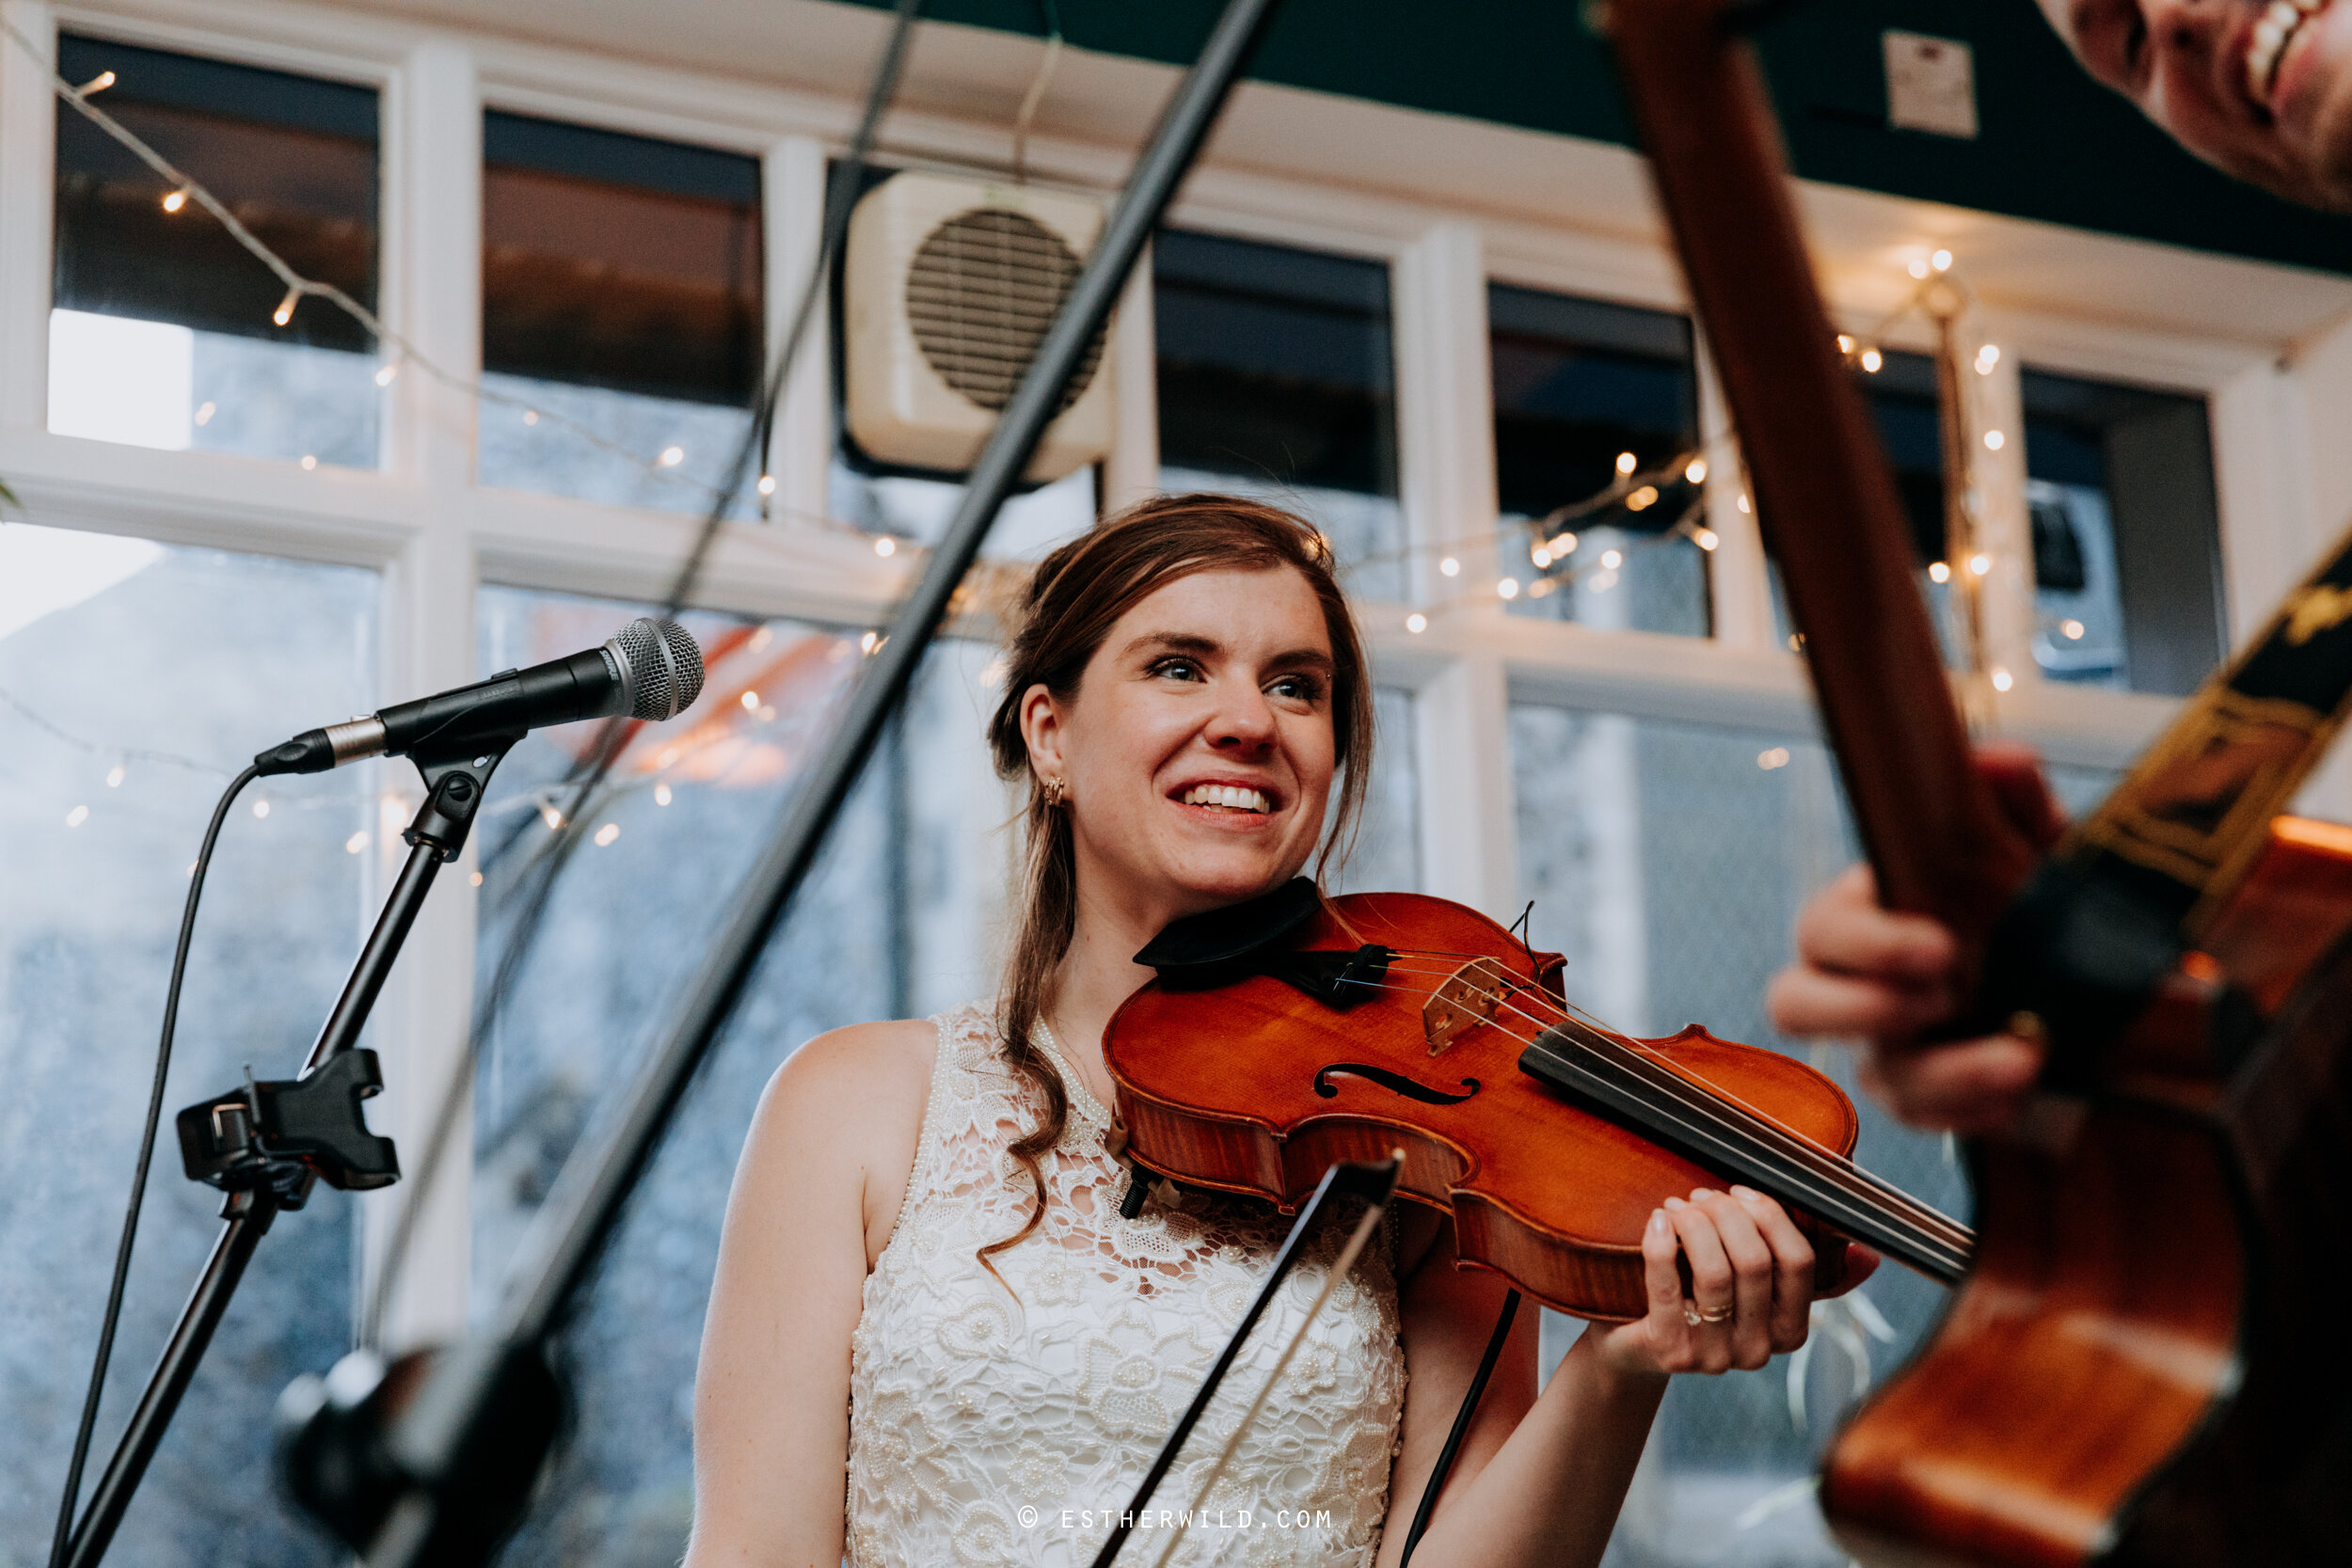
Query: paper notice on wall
(1930, 85)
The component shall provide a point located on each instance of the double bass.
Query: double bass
(2147, 1363)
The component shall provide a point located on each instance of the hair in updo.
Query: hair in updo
(1076, 595)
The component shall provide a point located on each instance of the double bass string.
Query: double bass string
(1668, 1093)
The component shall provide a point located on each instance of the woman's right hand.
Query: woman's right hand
(1865, 972)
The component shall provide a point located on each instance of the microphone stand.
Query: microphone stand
(268, 1143)
(392, 1460)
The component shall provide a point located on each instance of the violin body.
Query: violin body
(1258, 1087)
(2147, 1363)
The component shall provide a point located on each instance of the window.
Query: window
(1667, 861)
(1387, 856)
(165, 332)
(1901, 395)
(621, 310)
(1277, 379)
(2127, 577)
(903, 918)
(1578, 386)
(134, 679)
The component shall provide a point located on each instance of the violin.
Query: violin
(1287, 1035)
(2147, 1362)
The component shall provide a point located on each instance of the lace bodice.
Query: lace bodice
(1005, 1424)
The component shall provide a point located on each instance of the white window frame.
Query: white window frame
(1458, 204)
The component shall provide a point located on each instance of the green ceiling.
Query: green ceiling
(2053, 146)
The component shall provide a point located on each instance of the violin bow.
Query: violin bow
(1375, 1183)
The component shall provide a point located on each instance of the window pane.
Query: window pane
(621, 310)
(1667, 861)
(1901, 396)
(2126, 535)
(134, 679)
(1277, 379)
(903, 918)
(1387, 857)
(165, 330)
(1578, 384)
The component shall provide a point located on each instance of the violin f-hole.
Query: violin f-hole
(1395, 1083)
(1468, 996)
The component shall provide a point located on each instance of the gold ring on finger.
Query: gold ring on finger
(1723, 1317)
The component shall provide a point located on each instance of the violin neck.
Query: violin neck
(1637, 1090)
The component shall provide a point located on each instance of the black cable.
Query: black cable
(1461, 1428)
(587, 775)
(73, 1497)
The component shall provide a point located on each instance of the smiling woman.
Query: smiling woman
(948, 1293)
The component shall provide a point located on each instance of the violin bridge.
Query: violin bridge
(1468, 996)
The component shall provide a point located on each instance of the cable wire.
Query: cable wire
(71, 1497)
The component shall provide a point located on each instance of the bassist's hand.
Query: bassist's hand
(1865, 972)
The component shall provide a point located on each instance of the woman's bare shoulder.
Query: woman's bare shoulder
(848, 1107)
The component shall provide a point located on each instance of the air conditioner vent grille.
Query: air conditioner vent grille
(983, 288)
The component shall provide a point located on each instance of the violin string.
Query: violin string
(1669, 1090)
(1792, 1142)
(1341, 1267)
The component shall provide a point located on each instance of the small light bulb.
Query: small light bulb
(1995, 440)
(1641, 500)
(1844, 344)
(868, 642)
(309, 462)
(751, 698)
(1627, 463)
(2074, 630)
(1611, 559)
(530, 416)
(606, 834)
(885, 545)
(1743, 502)
(661, 795)
(1873, 360)
(113, 777)
(767, 485)
(475, 880)
(1918, 269)
(260, 808)
(284, 313)
(384, 376)
(98, 83)
(1603, 581)
(1449, 566)
(1508, 588)
(1771, 757)
(174, 200)
(761, 638)
(78, 815)
(205, 411)
(1696, 470)
(1706, 539)
(1540, 557)
(1941, 260)
(553, 819)
(2001, 681)
(673, 456)
(1562, 546)
(1979, 564)
(1417, 623)
(1939, 572)
(355, 843)
(1987, 357)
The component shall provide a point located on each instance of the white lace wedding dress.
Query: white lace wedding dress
(1008, 1423)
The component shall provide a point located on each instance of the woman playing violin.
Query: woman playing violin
(926, 1284)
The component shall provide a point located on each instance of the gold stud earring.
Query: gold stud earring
(1057, 793)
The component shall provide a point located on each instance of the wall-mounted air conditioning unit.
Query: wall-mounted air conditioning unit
(948, 286)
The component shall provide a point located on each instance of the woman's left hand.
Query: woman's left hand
(1751, 1293)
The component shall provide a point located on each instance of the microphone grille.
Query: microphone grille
(661, 665)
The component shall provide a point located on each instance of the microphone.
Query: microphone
(651, 669)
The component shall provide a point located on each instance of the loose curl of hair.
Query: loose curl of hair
(1076, 597)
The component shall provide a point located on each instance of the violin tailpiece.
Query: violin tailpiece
(1467, 997)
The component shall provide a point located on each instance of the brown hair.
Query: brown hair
(1076, 595)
